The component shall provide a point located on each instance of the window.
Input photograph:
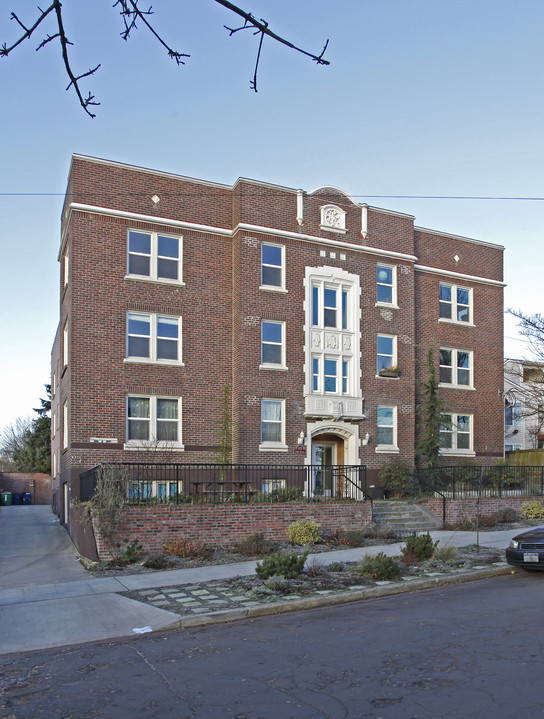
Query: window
(455, 303)
(153, 337)
(272, 344)
(455, 433)
(386, 352)
(512, 415)
(332, 317)
(386, 428)
(65, 267)
(455, 367)
(385, 285)
(511, 447)
(272, 266)
(331, 375)
(65, 426)
(65, 347)
(155, 256)
(330, 306)
(272, 424)
(154, 420)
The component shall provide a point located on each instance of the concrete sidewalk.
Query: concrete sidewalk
(47, 599)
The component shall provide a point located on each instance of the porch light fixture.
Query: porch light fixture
(366, 439)
(301, 438)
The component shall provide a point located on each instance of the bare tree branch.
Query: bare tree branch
(262, 29)
(131, 12)
(532, 327)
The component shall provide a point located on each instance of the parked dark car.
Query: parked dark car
(527, 549)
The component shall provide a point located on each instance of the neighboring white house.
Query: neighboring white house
(523, 405)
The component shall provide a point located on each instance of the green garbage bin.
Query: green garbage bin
(6, 498)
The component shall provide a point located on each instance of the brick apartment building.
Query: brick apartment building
(318, 311)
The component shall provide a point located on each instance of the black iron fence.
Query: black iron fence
(468, 481)
(143, 483)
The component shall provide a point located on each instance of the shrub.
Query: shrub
(418, 547)
(379, 567)
(396, 477)
(532, 510)
(131, 551)
(507, 514)
(256, 545)
(187, 549)
(447, 553)
(279, 564)
(387, 533)
(304, 532)
(287, 494)
(277, 583)
(314, 567)
(335, 567)
(156, 560)
(350, 538)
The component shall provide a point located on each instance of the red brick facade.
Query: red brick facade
(38, 484)
(222, 302)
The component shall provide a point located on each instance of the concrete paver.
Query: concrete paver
(47, 599)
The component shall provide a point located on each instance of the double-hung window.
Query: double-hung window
(272, 425)
(154, 421)
(455, 436)
(455, 367)
(386, 358)
(331, 375)
(272, 344)
(512, 415)
(386, 293)
(386, 429)
(155, 338)
(455, 303)
(154, 256)
(272, 267)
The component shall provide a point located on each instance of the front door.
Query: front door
(322, 461)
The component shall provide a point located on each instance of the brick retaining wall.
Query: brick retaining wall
(219, 525)
(458, 509)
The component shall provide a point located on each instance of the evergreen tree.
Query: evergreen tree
(430, 410)
(33, 451)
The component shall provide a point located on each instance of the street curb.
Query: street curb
(232, 615)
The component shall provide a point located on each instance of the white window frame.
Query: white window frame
(330, 211)
(152, 443)
(273, 365)
(154, 257)
(65, 345)
(393, 356)
(269, 446)
(454, 306)
(516, 413)
(393, 285)
(455, 369)
(341, 341)
(153, 339)
(391, 448)
(65, 268)
(454, 450)
(65, 425)
(281, 286)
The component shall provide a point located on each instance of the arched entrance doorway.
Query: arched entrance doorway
(327, 451)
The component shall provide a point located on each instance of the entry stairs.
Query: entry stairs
(404, 517)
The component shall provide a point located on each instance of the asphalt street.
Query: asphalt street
(455, 652)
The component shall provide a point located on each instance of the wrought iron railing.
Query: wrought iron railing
(470, 481)
(146, 483)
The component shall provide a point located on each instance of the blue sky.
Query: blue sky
(421, 98)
